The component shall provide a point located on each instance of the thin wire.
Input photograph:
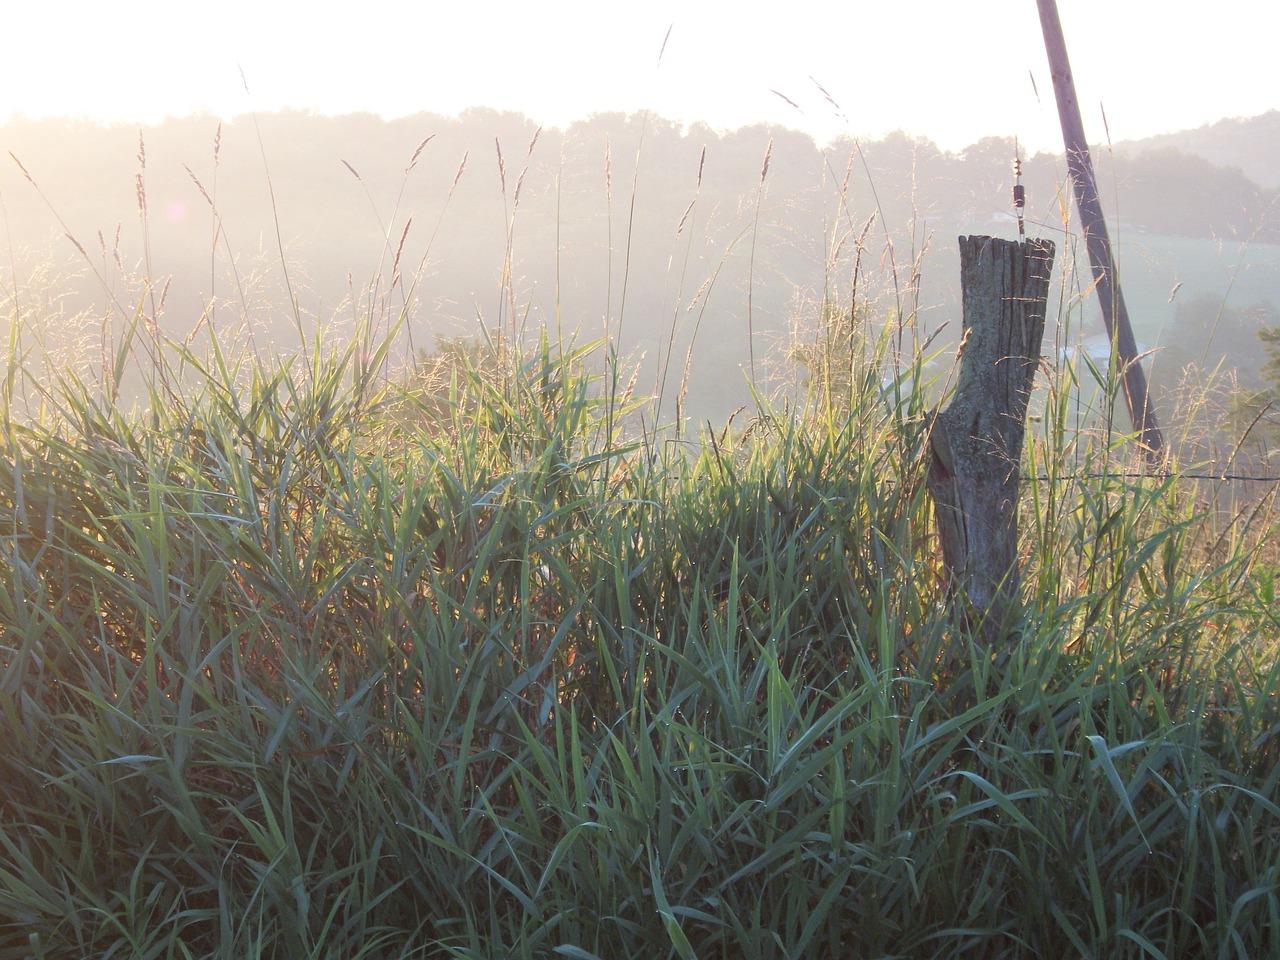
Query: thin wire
(1141, 474)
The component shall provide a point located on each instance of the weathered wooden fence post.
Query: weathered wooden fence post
(976, 442)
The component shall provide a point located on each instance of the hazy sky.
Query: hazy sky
(953, 70)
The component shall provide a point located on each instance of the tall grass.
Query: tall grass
(297, 663)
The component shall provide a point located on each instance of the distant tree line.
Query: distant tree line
(692, 249)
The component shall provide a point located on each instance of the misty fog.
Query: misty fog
(711, 248)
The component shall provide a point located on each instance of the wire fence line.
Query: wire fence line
(1153, 475)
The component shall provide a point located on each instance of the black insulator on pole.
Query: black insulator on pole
(1019, 193)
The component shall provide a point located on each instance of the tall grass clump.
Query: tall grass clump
(296, 661)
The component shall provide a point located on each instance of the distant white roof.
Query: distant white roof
(1098, 347)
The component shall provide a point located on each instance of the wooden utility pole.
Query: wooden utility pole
(1097, 240)
(976, 443)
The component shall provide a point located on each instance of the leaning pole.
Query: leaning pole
(1097, 240)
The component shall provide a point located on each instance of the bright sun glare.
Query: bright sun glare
(953, 72)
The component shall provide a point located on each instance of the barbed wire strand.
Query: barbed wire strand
(1147, 475)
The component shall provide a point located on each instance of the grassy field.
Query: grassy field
(296, 661)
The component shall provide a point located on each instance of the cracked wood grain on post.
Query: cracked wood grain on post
(976, 442)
